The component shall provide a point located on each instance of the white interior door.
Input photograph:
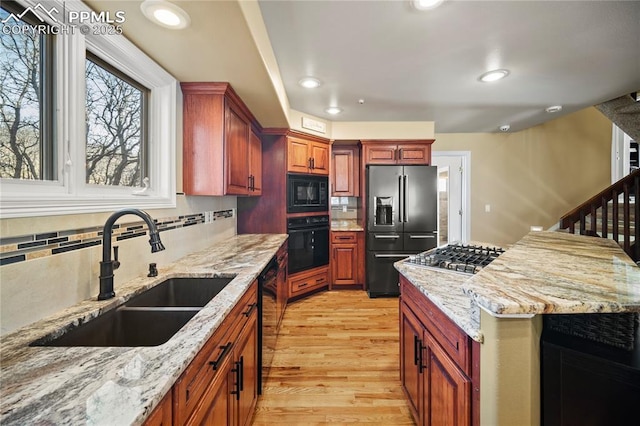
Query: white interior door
(453, 195)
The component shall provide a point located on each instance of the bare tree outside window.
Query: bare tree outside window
(21, 104)
(115, 151)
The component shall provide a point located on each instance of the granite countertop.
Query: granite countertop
(346, 225)
(444, 289)
(557, 272)
(82, 385)
(543, 273)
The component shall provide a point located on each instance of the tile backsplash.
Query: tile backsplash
(35, 246)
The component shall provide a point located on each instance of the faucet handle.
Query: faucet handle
(116, 263)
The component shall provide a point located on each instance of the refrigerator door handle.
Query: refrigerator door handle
(399, 256)
(401, 200)
(386, 237)
(419, 237)
(405, 191)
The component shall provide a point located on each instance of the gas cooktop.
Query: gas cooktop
(464, 258)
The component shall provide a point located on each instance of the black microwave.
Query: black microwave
(307, 193)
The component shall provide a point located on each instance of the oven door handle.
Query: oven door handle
(401, 256)
(297, 231)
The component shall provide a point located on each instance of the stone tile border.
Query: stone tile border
(28, 247)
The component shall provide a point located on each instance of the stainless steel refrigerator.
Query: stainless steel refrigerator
(402, 219)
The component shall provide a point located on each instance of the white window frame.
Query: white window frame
(69, 194)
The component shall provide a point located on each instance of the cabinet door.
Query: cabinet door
(246, 359)
(345, 169)
(237, 152)
(380, 153)
(414, 153)
(345, 261)
(298, 159)
(449, 389)
(319, 154)
(255, 164)
(216, 406)
(411, 351)
(161, 416)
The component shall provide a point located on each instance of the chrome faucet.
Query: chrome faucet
(107, 265)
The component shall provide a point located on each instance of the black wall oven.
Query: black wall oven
(308, 242)
(307, 193)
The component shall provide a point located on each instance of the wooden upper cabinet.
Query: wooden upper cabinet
(306, 155)
(319, 153)
(220, 142)
(345, 171)
(397, 151)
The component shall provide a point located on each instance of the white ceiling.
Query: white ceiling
(408, 65)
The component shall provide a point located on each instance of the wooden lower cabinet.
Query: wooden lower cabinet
(439, 383)
(220, 386)
(246, 372)
(161, 416)
(309, 281)
(347, 259)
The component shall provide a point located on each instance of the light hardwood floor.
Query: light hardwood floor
(336, 362)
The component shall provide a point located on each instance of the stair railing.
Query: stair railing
(614, 200)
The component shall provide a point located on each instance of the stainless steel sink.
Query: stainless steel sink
(148, 319)
(181, 292)
(125, 326)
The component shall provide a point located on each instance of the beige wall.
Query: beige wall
(535, 176)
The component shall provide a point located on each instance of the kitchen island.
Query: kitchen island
(500, 307)
(121, 385)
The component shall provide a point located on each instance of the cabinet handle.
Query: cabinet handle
(313, 163)
(241, 367)
(225, 350)
(236, 370)
(344, 238)
(248, 311)
(319, 280)
(303, 285)
(309, 162)
(422, 367)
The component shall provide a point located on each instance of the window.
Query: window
(88, 121)
(26, 113)
(116, 140)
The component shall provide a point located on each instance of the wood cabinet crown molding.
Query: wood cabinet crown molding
(224, 89)
(280, 131)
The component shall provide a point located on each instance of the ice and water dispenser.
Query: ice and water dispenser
(384, 211)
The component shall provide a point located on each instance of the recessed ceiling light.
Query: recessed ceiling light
(165, 14)
(555, 108)
(309, 82)
(494, 75)
(426, 4)
(505, 128)
(333, 110)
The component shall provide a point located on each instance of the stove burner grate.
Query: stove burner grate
(465, 258)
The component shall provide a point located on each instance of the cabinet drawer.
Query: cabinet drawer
(191, 386)
(341, 237)
(304, 283)
(450, 337)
